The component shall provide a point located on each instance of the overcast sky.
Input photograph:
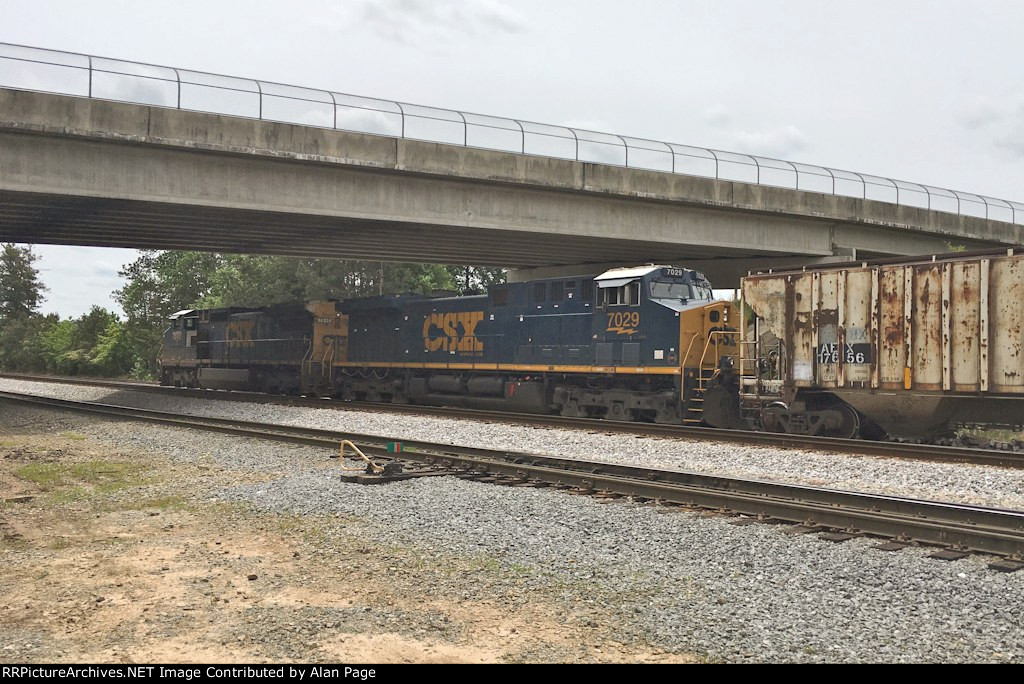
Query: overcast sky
(925, 91)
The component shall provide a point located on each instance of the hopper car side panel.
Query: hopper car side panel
(913, 346)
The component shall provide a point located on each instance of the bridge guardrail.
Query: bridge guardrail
(67, 73)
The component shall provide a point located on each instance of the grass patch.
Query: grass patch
(312, 530)
(157, 503)
(12, 543)
(58, 543)
(76, 481)
(1004, 435)
(993, 435)
(160, 503)
(73, 436)
(487, 563)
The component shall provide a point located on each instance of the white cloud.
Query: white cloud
(1000, 124)
(426, 22)
(718, 115)
(588, 125)
(781, 143)
(80, 277)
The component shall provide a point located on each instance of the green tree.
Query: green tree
(156, 285)
(242, 280)
(90, 327)
(21, 347)
(57, 347)
(476, 279)
(21, 291)
(159, 283)
(113, 353)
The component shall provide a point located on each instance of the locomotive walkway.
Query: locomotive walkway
(79, 169)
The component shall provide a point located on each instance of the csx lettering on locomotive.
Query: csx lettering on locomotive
(240, 334)
(453, 332)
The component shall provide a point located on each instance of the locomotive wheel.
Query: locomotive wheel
(849, 426)
(571, 409)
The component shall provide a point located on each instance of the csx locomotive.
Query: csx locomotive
(629, 344)
(905, 347)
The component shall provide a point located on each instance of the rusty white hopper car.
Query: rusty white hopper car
(910, 347)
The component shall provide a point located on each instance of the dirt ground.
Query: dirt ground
(122, 556)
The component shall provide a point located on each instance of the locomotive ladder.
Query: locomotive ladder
(322, 367)
(708, 369)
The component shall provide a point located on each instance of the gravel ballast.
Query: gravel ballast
(694, 583)
(683, 582)
(951, 482)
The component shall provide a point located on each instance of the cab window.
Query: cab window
(663, 289)
(627, 295)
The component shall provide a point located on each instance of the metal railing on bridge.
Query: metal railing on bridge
(66, 73)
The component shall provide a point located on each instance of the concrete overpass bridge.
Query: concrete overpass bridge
(87, 169)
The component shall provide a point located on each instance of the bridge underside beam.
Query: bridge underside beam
(90, 172)
(75, 191)
(48, 219)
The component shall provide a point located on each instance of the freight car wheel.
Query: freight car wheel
(572, 409)
(773, 417)
(845, 422)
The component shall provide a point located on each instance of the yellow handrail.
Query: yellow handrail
(326, 369)
(701, 380)
(693, 338)
(378, 469)
(714, 338)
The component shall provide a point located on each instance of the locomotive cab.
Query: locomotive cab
(640, 311)
(660, 332)
(179, 353)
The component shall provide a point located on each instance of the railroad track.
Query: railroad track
(839, 515)
(920, 452)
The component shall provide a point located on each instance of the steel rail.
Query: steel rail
(859, 447)
(966, 527)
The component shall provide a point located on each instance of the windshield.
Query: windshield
(667, 290)
(662, 289)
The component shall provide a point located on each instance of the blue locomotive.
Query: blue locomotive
(628, 344)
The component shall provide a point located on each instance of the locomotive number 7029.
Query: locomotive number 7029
(623, 322)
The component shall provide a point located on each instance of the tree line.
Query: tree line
(159, 283)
